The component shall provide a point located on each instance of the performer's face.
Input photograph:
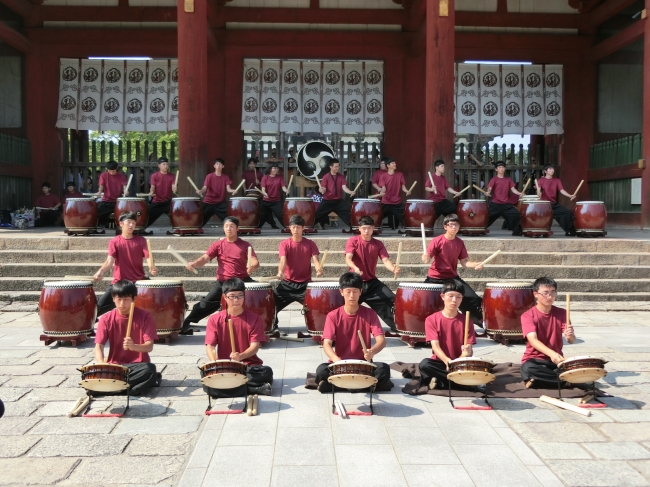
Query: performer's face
(335, 168)
(230, 229)
(46, 190)
(452, 300)
(366, 231)
(235, 300)
(550, 171)
(440, 169)
(452, 228)
(123, 305)
(274, 170)
(70, 189)
(382, 166)
(351, 295)
(545, 295)
(296, 230)
(164, 167)
(128, 226)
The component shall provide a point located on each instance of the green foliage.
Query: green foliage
(114, 136)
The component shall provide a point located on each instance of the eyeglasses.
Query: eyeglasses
(234, 297)
(548, 294)
(453, 225)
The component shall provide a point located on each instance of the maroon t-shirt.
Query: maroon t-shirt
(333, 186)
(393, 183)
(112, 328)
(446, 254)
(441, 185)
(299, 256)
(550, 188)
(163, 184)
(377, 176)
(128, 254)
(449, 332)
(247, 327)
(273, 186)
(249, 178)
(365, 254)
(341, 328)
(549, 328)
(216, 188)
(501, 189)
(112, 186)
(74, 194)
(47, 201)
(232, 258)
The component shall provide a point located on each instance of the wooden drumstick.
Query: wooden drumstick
(424, 239)
(363, 342)
(178, 173)
(490, 257)
(180, 258)
(412, 186)
(128, 184)
(465, 354)
(83, 405)
(435, 190)
(151, 264)
(256, 402)
(322, 260)
(568, 309)
(289, 185)
(376, 195)
(480, 190)
(526, 186)
(143, 195)
(76, 405)
(238, 187)
(462, 191)
(192, 183)
(317, 180)
(128, 326)
(357, 186)
(579, 186)
(250, 406)
(399, 255)
(564, 405)
(250, 256)
(232, 337)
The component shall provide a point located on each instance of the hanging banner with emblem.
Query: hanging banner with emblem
(250, 119)
(553, 83)
(353, 98)
(172, 113)
(490, 96)
(270, 97)
(534, 123)
(467, 102)
(112, 114)
(512, 99)
(291, 98)
(135, 96)
(332, 109)
(69, 76)
(374, 120)
(157, 91)
(311, 97)
(90, 94)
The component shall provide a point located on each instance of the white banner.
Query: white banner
(311, 97)
(490, 96)
(270, 106)
(353, 98)
(553, 84)
(467, 102)
(332, 109)
(68, 94)
(136, 96)
(112, 114)
(533, 99)
(90, 95)
(157, 88)
(251, 95)
(512, 99)
(172, 113)
(374, 122)
(291, 98)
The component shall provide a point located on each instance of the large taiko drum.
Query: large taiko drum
(526, 198)
(536, 218)
(579, 370)
(186, 214)
(165, 302)
(503, 305)
(413, 303)
(80, 214)
(473, 216)
(247, 210)
(259, 298)
(299, 206)
(104, 377)
(223, 374)
(67, 308)
(590, 218)
(137, 206)
(366, 206)
(320, 299)
(471, 371)
(352, 374)
(418, 212)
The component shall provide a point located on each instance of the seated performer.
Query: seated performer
(271, 204)
(125, 254)
(361, 253)
(446, 332)
(332, 187)
(232, 256)
(248, 331)
(113, 184)
(340, 337)
(50, 203)
(252, 177)
(438, 194)
(132, 351)
(390, 183)
(499, 189)
(162, 189)
(447, 250)
(543, 326)
(378, 174)
(294, 269)
(548, 188)
(214, 190)
(71, 192)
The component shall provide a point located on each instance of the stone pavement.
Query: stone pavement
(165, 439)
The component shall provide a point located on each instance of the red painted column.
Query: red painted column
(645, 178)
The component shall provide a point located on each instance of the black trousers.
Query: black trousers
(156, 210)
(445, 207)
(395, 214)
(381, 299)
(543, 371)
(47, 218)
(210, 303)
(105, 303)
(507, 211)
(269, 209)
(210, 209)
(258, 375)
(382, 374)
(104, 211)
(471, 302)
(288, 292)
(142, 377)
(340, 207)
(429, 369)
(564, 217)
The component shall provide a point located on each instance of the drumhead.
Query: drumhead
(79, 199)
(187, 198)
(246, 198)
(227, 380)
(581, 357)
(472, 359)
(419, 201)
(67, 284)
(323, 285)
(420, 286)
(366, 200)
(130, 199)
(104, 385)
(84, 368)
(253, 286)
(509, 285)
(298, 199)
(351, 361)
(472, 201)
(158, 284)
(537, 201)
(590, 202)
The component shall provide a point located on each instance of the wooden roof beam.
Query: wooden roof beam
(314, 16)
(15, 39)
(517, 19)
(619, 40)
(108, 14)
(607, 10)
(21, 7)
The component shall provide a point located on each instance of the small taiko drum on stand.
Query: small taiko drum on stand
(470, 371)
(186, 216)
(223, 375)
(259, 298)
(352, 375)
(165, 302)
(80, 216)
(590, 218)
(320, 299)
(582, 370)
(503, 305)
(416, 213)
(105, 378)
(536, 218)
(299, 206)
(67, 310)
(247, 210)
(137, 206)
(473, 216)
(414, 302)
(366, 206)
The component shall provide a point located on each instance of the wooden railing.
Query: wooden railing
(15, 150)
(619, 152)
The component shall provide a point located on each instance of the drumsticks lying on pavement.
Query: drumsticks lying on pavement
(249, 411)
(128, 326)
(76, 405)
(579, 186)
(465, 354)
(256, 402)
(462, 191)
(435, 190)
(491, 257)
(399, 255)
(564, 405)
(232, 337)
(180, 258)
(480, 190)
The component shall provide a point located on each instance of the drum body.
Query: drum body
(299, 206)
(186, 214)
(352, 374)
(104, 377)
(526, 198)
(247, 210)
(259, 298)
(417, 212)
(413, 303)
(137, 206)
(366, 206)
(80, 214)
(470, 371)
(579, 370)
(536, 218)
(165, 302)
(320, 299)
(590, 218)
(503, 305)
(474, 216)
(67, 308)
(223, 374)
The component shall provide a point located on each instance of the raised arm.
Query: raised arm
(350, 264)
(106, 266)
(281, 266)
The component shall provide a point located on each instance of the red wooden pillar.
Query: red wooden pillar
(192, 93)
(645, 178)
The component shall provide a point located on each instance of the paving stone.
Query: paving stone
(176, 359)
(370, 431)
(231, 467)
(629, 416)
(37, 381)
(66, 352)
(626, 450)
(204, 450)
(626, 431)
(178, 392)
(11, 394)
(239, 429)
(25, 471)
(13, 425)
(355, 469)
(560, 451)
(73, 426)
(293, 476)
(545, 476)
(560, 432)
(525, 454)
(20, 306)
(56, 408)
(16, 353)
(596, 473)
(193, 477)
(54, 361)
(500, 467)
(14, 370)
(147, 408)
(643, 466)
(437, 476)
(20, 408)
(122, 469)
(82, 445)
(470, 430)
(55, 394)
(15, 446)
(163, 425)
(421, 446)
(159, 445)
(304, 446)
(530, 416)
(17, 361)
(187, 408)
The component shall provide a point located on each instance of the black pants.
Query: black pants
(156, 210)
(288, 292)
(104, 211)
(142, 377)
(105, 303)
(258, 375)
(564, 218)
(445, 207)
(471, 302)
(340, 207)
(210, 209)
(507, 211)
(382, 374)
(381, 299)
(269, 209)
(208, 304)
(429, 369)
(47, 218)
(395, 214)
(543, 371)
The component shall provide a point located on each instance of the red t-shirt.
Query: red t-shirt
(550, 188)
(128, 255)
(299, 256)
(393, 183)
(112, 328)
(441, 185)
(450, 333)
(333, 186)
(365, 254)
(501, 189)
(232, 258)
(549, 328)
(74, 194)
(112, 186)
(249, 178)
(272, 186)
(377, 176)
(446, 254)
(216, 188)
(163, 184)
(47, 201)
(341, 328)
(247, 328)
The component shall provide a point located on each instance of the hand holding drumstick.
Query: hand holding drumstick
(467, 349)
(128, 341)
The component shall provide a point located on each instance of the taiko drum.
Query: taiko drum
(414, 302)
(67, 308)
(320, 299)
(418, 212)
(259, 298)
(473, 216)
(366, 206)
(299, 206)
(590, 218)
(247, 211)
(536, 218)
(503, 305)
(80, 214)
(186, 214)
(137, 206)
(165, 302)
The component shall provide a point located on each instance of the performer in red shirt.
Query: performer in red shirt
(232, 256)
(332, 187)
(113, 184)
(549, 188)
(214, 190)
(248, 331)
(446, 332)
(361, 254)
(341, 338)
(71, 192)
(162, 189)
(271, 204)
(253, 176)
(447, 250)
(51, 204)
(543, 326)
(499, 189)
(133, 351)
(438, 194)
(390, 183)
(378, 174)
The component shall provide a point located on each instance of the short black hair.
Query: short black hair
(350, 279)
(128, 215)
(500, 163)
(124, 289)
(333, 161)
(219, 159)
(46, 185)
(366, 220)
(389, 160)
(162, 159)
(297, 220)
(233, 284)
(439, 162)
(452, 217)
(544, 281)
(251, 159)
(453, 285)
(111, 165)
(71, 183)
(232, 219)
(273, 164)
(548, 166)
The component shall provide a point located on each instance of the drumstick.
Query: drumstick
(343, 410)
(376, 195)
(80, 278)
(322, 260)
(232, 337)
(143, 195)
(178, 172)
(128, 183)
(526, 186)
(399, 255)
(480, 190)
(290, 181)
(128, 326)
(250, 255)
(424, 239)
(41, 208)
(579, 186)
(82, 406)
(462, 191)
(76, 405)
(317, 180)
(490, 257)
(363, 342)
(465, 354)
(413, 186)
(339, 408)
(568, 309)
(291, 339)
(238, 187)
(250, 406)
(192, 183)
(179, 257)
(564, 405)
(150, 255)
(435, 190)
(256, 401)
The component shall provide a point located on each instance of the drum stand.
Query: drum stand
(209, 410)
(249, 231)
(189, 231)
(106, 415)
(599, 403)
(84, 232)
(75, 339)
(487, 406)
(372, 390)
